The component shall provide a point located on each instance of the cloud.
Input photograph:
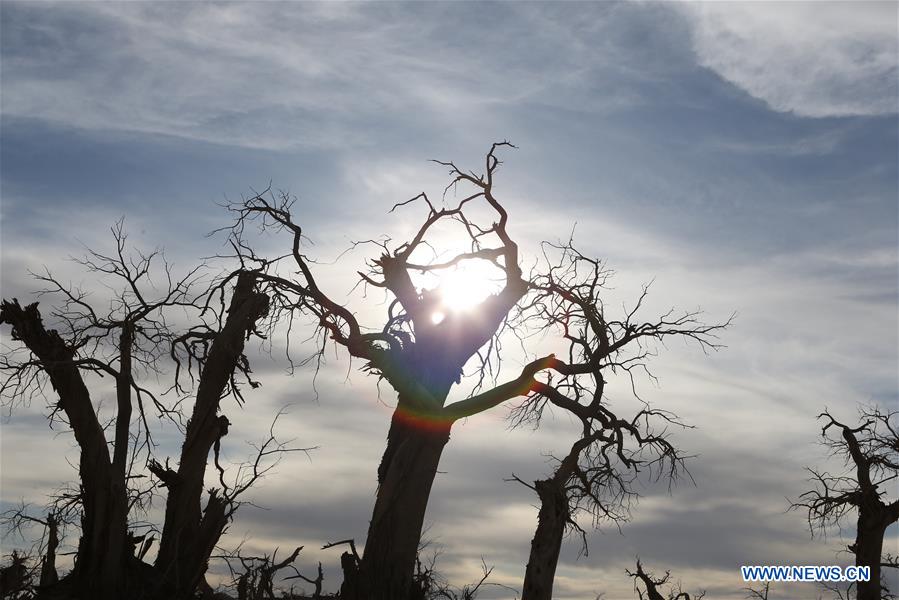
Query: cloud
(268, 76)
(280, 76)
(814, 59)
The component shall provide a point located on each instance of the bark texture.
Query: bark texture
(552, 519)
(418, 433)
(405, 478)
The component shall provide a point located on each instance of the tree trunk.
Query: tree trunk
(551, 521)
(868, 548)
(99, 572)
(405, 477)
(100, 563)
(189, 535)
(48, 565)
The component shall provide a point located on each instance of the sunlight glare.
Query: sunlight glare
(467, 285)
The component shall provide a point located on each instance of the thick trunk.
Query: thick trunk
(405, 476)
(182, 552)
(349, 589)
(868, 548)
(190, 533)
(99, 572)
(100, 562)
(551, 521)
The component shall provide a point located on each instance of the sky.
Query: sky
(742, 157)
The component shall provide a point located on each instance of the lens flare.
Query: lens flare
(467, 285)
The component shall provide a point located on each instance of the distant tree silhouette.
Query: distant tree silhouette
(254, 576)
(597, 474)
(758, 594)
(870, 453)
(429, 584)
(652, 588)
(91, 347)
(16, 578)
(422, 354)
(17, 519)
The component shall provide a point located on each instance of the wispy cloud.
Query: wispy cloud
(278, 75)
(813, 59)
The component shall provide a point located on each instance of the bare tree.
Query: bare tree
(419, 348)
(758, 594)
(17, 578)
(418, 356)
(126, 344)
(597, 474)
(429, 584)
(870, 454)
(18, 519)
(653, 586)
(316, 582)
(254, 576)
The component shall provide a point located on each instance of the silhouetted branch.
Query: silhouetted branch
(758, 594)
(652, 586)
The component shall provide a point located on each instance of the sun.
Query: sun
(463, 287)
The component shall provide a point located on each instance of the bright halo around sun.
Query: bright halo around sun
(466, 285)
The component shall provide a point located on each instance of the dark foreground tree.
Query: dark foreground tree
(870, 453)
(420, 355)
(88, 348)
(597, 475)
(421, 346)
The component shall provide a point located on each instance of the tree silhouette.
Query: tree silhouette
(419, 356)
(18, 519)
(597, 474)
(870, 453)
(758, 594)
(86, 347)
(653, 586)
(421, 351)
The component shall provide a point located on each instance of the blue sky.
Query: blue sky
(742, 155)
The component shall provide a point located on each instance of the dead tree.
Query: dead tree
(254, 579)
(17, 578)
(17, 519)
(870, 453)
(316, 583)
(597, 474)
(429, 584)
(758, 594)
(654, 586)
(192, 531)
(124, 345)
(419, 349)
